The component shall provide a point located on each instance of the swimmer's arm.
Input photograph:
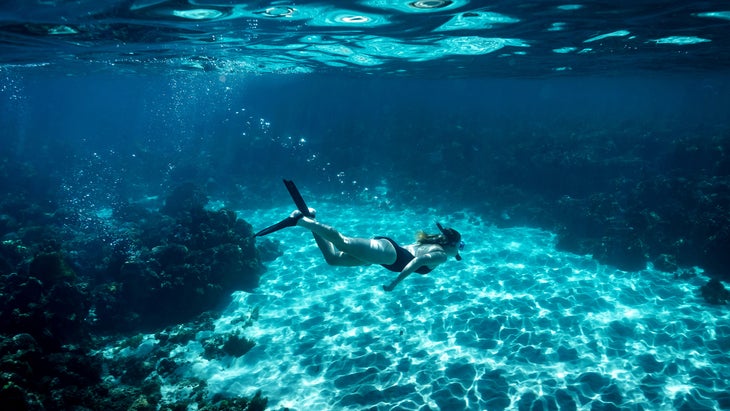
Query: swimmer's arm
(431, 259)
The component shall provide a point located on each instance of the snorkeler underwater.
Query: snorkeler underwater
(421, 257)
(518, 205)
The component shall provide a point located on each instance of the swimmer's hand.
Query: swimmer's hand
(388, 288)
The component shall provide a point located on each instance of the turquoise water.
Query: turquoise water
(582, 149)
(516, 322)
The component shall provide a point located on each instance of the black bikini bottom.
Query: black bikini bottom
(403, 257)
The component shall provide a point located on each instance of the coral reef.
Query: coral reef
(47, 302)
(63, 286)
(181, 265)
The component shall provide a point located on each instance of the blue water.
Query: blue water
(513, 122)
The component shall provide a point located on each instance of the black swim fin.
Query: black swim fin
(289, 221)
(297, 197)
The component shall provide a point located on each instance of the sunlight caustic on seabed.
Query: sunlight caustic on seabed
(515, 317)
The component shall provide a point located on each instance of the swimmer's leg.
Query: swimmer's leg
(367, 251)
(334, 256)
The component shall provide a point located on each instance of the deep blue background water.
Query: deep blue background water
(243, 129)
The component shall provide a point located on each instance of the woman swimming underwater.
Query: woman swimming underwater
(428, 252)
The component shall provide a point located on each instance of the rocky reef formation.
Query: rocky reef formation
(65, 285)
(179, 263)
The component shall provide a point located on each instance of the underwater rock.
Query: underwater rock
(67, 305)
(52, 310)
(714, 292)
(716, 258)
(269, 250)
(193, 264)
(237, 346)
(184, 199)
(131, 212)
(624, 252)
(51, 268)
(33, 378)
(666, 263)
(139, 362)
(166, 367)
(12, 253)
(256, 403)
(570, 241)
(13, 397)
(170, 254)
(20, 355)
(234, 345)
(61, 279)
(41, 362)
(8, 224)
(142, 404)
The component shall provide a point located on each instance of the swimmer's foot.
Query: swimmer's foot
(388, 288)
(297, 215)
(290, 221)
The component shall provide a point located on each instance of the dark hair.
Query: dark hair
(448, 237)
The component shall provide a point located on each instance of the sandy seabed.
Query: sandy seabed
(515, 323)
